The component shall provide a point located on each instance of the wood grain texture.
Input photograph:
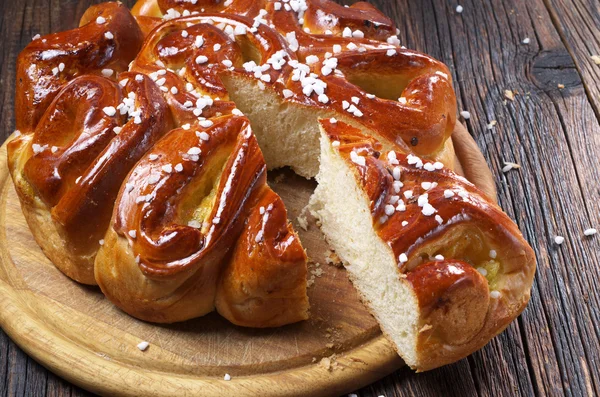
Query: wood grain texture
(553, 133)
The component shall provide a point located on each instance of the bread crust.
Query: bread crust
(49, 234)
(166, 300)
(264, 283)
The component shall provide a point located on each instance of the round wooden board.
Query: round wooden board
(78, 334)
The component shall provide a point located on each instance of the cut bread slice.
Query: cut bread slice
(440, 286)
(344, 212)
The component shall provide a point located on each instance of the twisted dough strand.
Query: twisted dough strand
(49, 62)
(74, 162)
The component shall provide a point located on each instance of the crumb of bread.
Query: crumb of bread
(279, 178)
(317, 272)
(510, 166)
(143, 345)
(327, 363)
(302, 222)
(314, 272)
(333, 259)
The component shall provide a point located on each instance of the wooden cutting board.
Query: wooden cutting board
(75, 332)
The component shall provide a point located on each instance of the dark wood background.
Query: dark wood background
(552, 132)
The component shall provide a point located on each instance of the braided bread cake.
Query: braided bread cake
(142, 150)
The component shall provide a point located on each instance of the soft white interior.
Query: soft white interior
(344, 211)
(288, 134)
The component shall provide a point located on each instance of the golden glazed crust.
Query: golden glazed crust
(68, 171)
(405, 97)
(263, 285)
(194, 211)
(49, 235)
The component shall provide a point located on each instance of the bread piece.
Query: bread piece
(274, 108)
(441, 267)
(68, 171)
(176, 228)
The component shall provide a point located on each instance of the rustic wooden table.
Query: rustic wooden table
(541, 50)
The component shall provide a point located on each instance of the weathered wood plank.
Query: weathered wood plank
(534, 131)
(4, 364)
(578, 23)
(57, 387)
(36, 378)
(16, 371)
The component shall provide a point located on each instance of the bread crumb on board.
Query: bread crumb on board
(143, 345)
(333, 259)
(302, 219)
(329, 363)
(302, 222)
(315, 270)
(510, 166)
